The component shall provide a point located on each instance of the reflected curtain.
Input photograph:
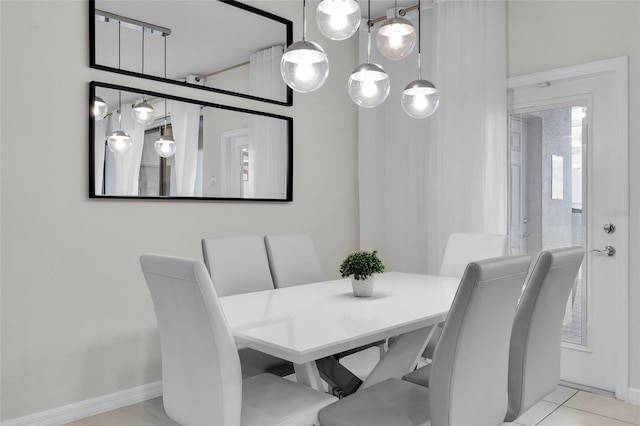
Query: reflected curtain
(185, 122)
(420, 180)
(99, 144)
(267, 136)
(123, 170)
(265, 79)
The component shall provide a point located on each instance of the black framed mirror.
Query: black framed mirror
(220, 152)
(218, 45)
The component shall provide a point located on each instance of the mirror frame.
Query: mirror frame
(251, 9)
(92, 177)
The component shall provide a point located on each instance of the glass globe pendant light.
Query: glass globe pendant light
(369, 84)
(338, 19)
(100, 108)
(420, 98)
(119, 141)
(165, 146)
(304, 65)
(143, 111)
(396, 37)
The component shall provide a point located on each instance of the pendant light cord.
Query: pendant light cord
(304, 20)
(142, 50)
(119, 109)
(395, 9)
(119, 66)
(419, 42)
(165, 77)
(369, 24)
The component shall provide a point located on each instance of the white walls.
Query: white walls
(77, 320)
(550, 34)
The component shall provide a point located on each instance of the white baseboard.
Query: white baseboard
(89, 407)
(634, 396)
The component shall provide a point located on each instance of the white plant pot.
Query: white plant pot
(362, 288)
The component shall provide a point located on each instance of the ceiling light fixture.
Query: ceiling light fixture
(396, 37)
(338, 19)
(100, 108)
(304, 65)
(143, 111)
(420, 98)
(119, 141)
(165, 145)
(369, 84)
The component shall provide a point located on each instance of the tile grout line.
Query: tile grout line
(597, 414)
(552, 411)
(602, 415)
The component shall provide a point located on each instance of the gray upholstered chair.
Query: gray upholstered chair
(240, 265)
(534, 355)
(293, 261)
(461, 393)
(201, 378)
(237, 264)
(461, 250)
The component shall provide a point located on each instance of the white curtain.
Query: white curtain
(122, 170)
(185, 122)
(421, 180)
(267, 135)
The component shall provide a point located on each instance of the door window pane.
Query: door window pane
(547, 192)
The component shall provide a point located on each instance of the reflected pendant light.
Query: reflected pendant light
(396, 37)
(143, 111)
(119, 141)
(369, 84)
(165, 146)
(420, 98)
(100, 108)
(338, 19)
(304, 65)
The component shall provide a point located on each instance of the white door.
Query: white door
(574, 121)
(235, 163)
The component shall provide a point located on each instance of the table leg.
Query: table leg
(307, 374)
(401, 357)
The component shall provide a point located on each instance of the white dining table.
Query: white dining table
(305, 323)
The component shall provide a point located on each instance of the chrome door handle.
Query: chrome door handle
(607, 251)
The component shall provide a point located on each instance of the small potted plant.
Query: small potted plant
(361, 266)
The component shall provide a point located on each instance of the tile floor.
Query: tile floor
(563, 407)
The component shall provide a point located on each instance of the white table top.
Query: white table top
(308, 322)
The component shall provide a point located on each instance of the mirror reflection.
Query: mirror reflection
(185, 149)
(223, 46)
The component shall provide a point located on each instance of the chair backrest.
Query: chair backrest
(463, 249)
(201, 377)
(293, 260)
(468, 383)
(237, 264)
(534, 355)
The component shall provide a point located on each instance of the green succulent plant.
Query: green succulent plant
(361, 265)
